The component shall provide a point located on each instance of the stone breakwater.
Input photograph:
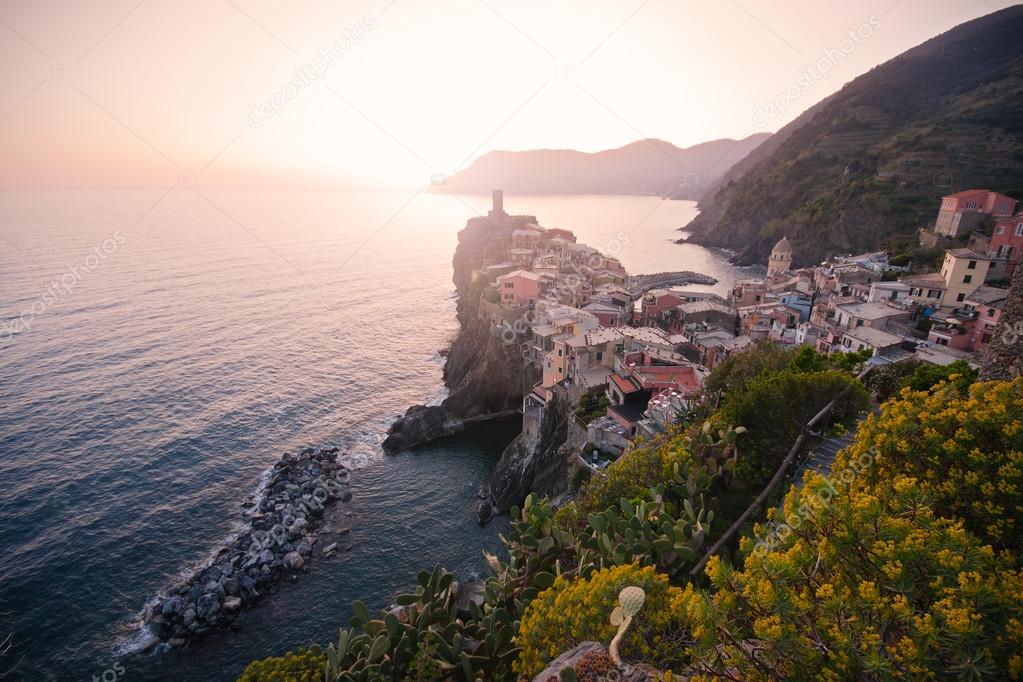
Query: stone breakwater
(281, 522)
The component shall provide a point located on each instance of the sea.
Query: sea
(160, 349)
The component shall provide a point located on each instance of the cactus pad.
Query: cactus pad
(631, 598)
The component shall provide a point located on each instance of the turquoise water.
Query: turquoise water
(159, 351)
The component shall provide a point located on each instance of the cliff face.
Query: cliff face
(485, 377)
(533, 467)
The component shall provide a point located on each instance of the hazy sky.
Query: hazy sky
(385, 93)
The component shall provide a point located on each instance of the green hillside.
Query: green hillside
(869, 166)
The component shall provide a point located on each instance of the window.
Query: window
(559, 352)
(1019, 230)
(859, 323)
(509, 285)
(933, 293)
(990, 312)
(967, 279)
(600, 355)
(1000, 229)
(561, 370)
(960, 297)
(972, 265)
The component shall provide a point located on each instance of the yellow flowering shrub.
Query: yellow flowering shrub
(865, 585)
(630, 476)
(965, 449)
(578, 610)
(305, 665)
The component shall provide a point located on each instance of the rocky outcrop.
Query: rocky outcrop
(538, 467)
(585, 656)
(486, 378)
(1003, 360)
(282, 520)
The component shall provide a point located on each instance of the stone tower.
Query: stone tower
(781, 260)
(497, 196)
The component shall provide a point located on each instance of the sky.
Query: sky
(386, 94)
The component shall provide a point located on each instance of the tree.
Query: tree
(926, 376)
(775, 406)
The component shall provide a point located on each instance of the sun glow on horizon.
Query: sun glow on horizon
(378, 95)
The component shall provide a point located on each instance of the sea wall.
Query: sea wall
(281, 523)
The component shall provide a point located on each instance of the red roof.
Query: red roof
(626, 385)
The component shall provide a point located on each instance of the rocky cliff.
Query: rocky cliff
(486, 378)
(540, 467)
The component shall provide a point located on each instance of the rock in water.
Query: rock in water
(294, 561)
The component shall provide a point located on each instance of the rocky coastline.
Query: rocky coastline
(281, 522)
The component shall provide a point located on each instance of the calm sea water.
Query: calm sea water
(158, 351)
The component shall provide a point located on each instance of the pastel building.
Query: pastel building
(987, 303)
(962, 272)
(1007, 240)
(519, 288)
(963, 211)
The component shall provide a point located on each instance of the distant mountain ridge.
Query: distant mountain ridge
(869, 164)
(648, 166)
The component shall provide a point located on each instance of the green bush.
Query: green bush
(926, 376)
(776, 406)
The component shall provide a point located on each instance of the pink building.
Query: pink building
(654, 302)
(987, 303)
(1007, 240)
(747, 292)
(519, 288)
(963, 211)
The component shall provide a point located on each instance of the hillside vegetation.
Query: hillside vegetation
(868, 166)
(902, 564)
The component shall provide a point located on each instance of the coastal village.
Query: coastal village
(633, 352)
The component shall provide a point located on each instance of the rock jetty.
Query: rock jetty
(281, 519)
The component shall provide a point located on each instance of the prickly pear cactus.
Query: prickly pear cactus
(631, 599)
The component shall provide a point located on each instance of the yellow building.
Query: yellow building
(963, 271)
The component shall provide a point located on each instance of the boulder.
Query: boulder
(232, 604)
(207, 607)
(294, 561)
(568, 659)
